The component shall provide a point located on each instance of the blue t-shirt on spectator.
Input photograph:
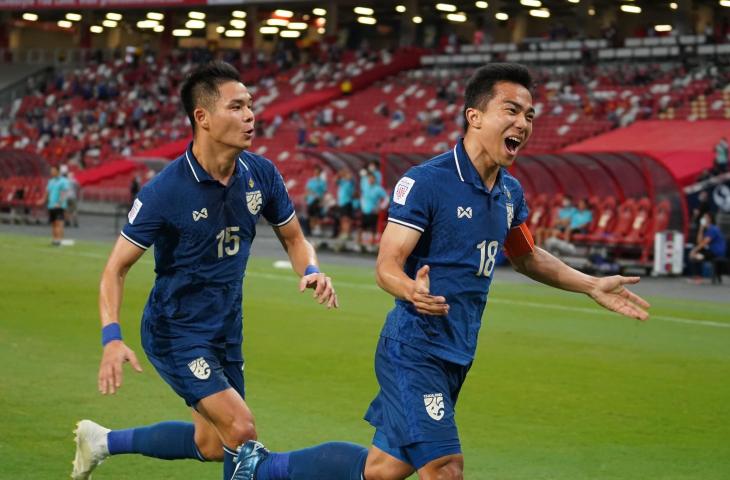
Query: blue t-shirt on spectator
(345, 191)
(581, 219)
(717, 240)
(58, 190)
(316, 188)
(370, 196)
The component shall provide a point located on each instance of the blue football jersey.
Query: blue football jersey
(463, 226)
(202, 232)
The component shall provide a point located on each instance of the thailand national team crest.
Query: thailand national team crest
(434, 405)
(510, 214)
(254, 201)
(200, 368)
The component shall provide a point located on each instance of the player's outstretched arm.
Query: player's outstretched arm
(396, 245)
(609, 292)
(116, 353)
(302, 255)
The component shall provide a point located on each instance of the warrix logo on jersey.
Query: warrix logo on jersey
(434, 405)
(200, 368)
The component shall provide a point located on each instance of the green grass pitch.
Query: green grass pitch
(559, 390)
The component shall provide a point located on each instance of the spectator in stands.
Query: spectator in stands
(345, 193)
(581, 219)
(316, 187)
(372, 200)
(398, 116)
(56, 201)
(721, 155)
(561, 224)
(711, 244)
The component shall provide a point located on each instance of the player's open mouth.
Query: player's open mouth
(512, 144)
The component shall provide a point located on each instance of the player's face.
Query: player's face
(506, 123)
(231, 120)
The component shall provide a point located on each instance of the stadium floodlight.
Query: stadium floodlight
(147, 23)
(501, 16)
(238, 14)
(591, 11)
(573, 1)
(297, 26)
(400, 8)
(159, 29)
(673, 5)
(542, 13)
(235, 33)
(195, 24)
(363, 11)
(267, 30)
(64, 24)
(290, 34)
(114, 16)
(109, 23)
(74, 17)
(321, 30)
(283, 13)
(319, 11)
(155, 16)
(96, 29)
(531, 3)
(321, 21)
(367, 20)
(181, 32)
(30, 17)
(663, 28)
(725, 3)
(196, 15)
(417, 19)
(239, 24)
(446, 7)
(220, 29)
(632, 8)
(457, 17)
(277, 22)
(482, 4)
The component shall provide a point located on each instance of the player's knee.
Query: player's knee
(240, 432)
(450, 470)
(381, 472)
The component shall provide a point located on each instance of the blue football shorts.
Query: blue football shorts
(196, 373)
(414, 411)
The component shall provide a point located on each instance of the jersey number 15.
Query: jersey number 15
(228, 241)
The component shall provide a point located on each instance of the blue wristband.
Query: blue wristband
(111, 332)
(310, 270)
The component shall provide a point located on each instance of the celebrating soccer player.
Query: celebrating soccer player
(449, 217)
(200, 213)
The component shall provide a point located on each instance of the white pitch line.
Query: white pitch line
(273, 276)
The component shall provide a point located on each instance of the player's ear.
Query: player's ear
(474, 117)
(201, 117)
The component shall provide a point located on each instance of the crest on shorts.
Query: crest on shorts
(200, 368)
(434, 405)
(254, 201)
(510, 214)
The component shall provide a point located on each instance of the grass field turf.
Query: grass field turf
(559, 390)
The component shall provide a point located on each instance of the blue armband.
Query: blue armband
(310, 270)
(110, 333)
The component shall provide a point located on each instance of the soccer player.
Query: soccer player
(57, 193)
(200, 213)
(448, 219)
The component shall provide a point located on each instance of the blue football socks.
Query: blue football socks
(329, 461)
(166, 440)
(229, 463)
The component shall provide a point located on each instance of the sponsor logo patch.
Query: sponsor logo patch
(402, 189)
(462, 212)
(201, 214)
(136, 207)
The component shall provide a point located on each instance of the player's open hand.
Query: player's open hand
(324, 292)
(423, 300)
(116, 353)
(611, 293)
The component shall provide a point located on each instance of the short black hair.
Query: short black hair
(201, 86)
(480, 87)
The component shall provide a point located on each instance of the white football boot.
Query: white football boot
(91, 448)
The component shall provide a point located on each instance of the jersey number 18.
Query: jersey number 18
(488, 257)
